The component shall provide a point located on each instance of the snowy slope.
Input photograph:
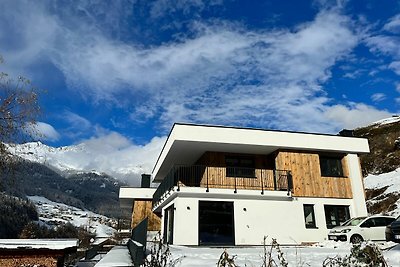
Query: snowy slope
(391, 180)
(384, 121)
(53, 213)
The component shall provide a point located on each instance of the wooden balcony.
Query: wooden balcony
(224, 177)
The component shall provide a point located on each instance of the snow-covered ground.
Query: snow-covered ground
(54, 213)
(391, 180)
(295, 256)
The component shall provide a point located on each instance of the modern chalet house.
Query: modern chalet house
(233, 186)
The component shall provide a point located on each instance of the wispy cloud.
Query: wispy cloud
(44, 131)
(397, 86)
(377, 97)
(226, 74)
(393, 25)
(221, 73)
(77, 127)
(161, 8)
(395, 66)
(384, 43)
(76, 121)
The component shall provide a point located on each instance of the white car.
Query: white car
(359, 229)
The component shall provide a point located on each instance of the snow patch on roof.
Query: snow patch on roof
(55, 244)
(117, 256)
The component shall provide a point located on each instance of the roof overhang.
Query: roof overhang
(127, 195)
(186, 143)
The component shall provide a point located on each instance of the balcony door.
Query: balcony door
(216, 223)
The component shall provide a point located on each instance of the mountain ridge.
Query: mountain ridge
(75, 159)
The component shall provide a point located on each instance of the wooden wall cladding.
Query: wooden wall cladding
(143, 209)
(307, 180)
(217, 178)
(217, 159)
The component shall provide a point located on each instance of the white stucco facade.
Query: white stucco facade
(256, 216)
(275, 214)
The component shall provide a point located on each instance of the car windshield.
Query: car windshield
(354, 221)
(398, 219)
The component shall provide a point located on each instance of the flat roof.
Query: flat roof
(128, 194)
(187, 142)
(53, 244)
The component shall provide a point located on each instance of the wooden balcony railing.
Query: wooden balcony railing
(224, 177)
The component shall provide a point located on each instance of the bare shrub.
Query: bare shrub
(361, 255)
(225, 260)
(160, 255)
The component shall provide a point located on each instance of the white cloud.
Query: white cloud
(108, 152)
(355, 115)
(216, 75)
(395, 66)
(377, 97)
(393, 25)
(76, 121)
(44, 131)
(388, 44)
(161, 8)
(384, 44)
(114, 154)
(224, 73)
(77, 126)
(118, 156)
(397, 87)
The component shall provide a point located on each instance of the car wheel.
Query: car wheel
(356, 239)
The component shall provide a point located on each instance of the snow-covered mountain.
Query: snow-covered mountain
(381, 167)
(81, 158)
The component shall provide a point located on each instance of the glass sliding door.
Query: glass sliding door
(216, 223)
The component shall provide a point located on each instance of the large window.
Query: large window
(216, 223)
(336, 215)
(309, 216)
(331, 166)
(240, 167)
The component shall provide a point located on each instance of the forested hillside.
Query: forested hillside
(16, 213)
(92, 191)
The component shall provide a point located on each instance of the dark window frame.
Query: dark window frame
(314, 223)
(336, 214)
(240, 168)
(201, 226)
(331, 165)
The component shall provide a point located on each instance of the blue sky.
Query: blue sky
(122, 72)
